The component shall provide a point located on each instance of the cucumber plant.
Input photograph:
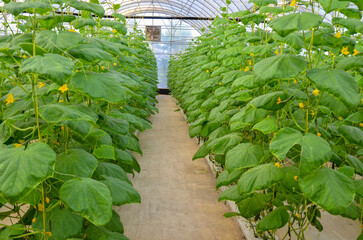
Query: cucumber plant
(275, 96)
(74, 89)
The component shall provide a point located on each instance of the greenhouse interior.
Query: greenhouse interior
(181, 119)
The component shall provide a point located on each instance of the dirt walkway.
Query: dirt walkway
(179, 201)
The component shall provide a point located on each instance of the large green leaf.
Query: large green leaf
(274, 220)
(101, 233)
(51, 21)
(294, 40)
(261, 3)
(75, 163)
(315, 151)
(121, 191)
(283, 141)
(356, 163)
(295, 22)
(244, 155)
(54, 42)
(267, 125)
(115, 125)
(56, 113)
(89, 6)
(352, 134)
(270, 101)
(88, 197)
(329, 189)
(90, 53)
(226, 178)
(223, 144)
(21, 170)
(55, 67)
(253, 205)
(283, 66)
(331, 5)
(82, 22)
(350, 63)
(115, 25)
(100, 86)
(353, 25)
(110, 170)
(259, 178)
(338, 83)
(16, 8)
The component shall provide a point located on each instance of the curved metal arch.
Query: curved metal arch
(179, 7)
(195, 24)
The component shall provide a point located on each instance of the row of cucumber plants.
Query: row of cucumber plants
(74, 89)
(276, 99)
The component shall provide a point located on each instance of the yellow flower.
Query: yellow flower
(301, 105)
(10, 99)
(115, 64)
(277, 165)
(49, 233)
(250, 62)
(33, 220)
(319, 134)
(239, 107)
(122, 107)
(114, 31)
(103, 68)
(77, 70)
(61, 100)
(331, 53)
(41, 84)
(62, 128)
(207, 71)
(293, 3)
(338, 35)
(251, 54)
(316, 92)
(312, 113)
(220, 84)
(297, 215)
(17, 145)
(355, 52)
(277, 52)
(21, 141)
(247, 68)
(340, 118)
(40, 207)
(133, 55)
(63, 88)
(268, 116)
(270, 18)
(295, 81)
(56, 142)
(345, 51)
(361, 124)
(25, 56)
(47, 200)
(295, 177)
(274, 133)
(72, 30)
(278, 100)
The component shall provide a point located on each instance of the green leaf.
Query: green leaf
(100, 86)
(276, 10)
(258, 50)
(276, 219)
(356, 117)
(253, 205)
(358, 186)
(315, 151)
(329, 189)
(348, 63)
(56, 113)
(268, 125)
(226, 178)
(115, 224)
(75, 163)
(55, 67)
(283, 141)
(230, 194)
(90, 53)
(331, 5)
(294, 40)
(88, 197)
(52, 42)
(122, 192)
(110, 170)
(351, 13)
(101, 233)
(202, 152)
(259, 178)
(15, 8)
(269, 101)
(9, 232)
(356, 163)
(347, 171)
(283, 66)
(352, 134)
(5, 132)
(220, 146)
(115, 25)
(92, 7)
(295, 22)
(105, 152)
(338, 83)
(261, 3)
(244, 155)
(51, 21)
(353, 25)
(23, 169)
(82, 22)
(118, 126)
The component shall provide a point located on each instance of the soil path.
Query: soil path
(179, 201)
